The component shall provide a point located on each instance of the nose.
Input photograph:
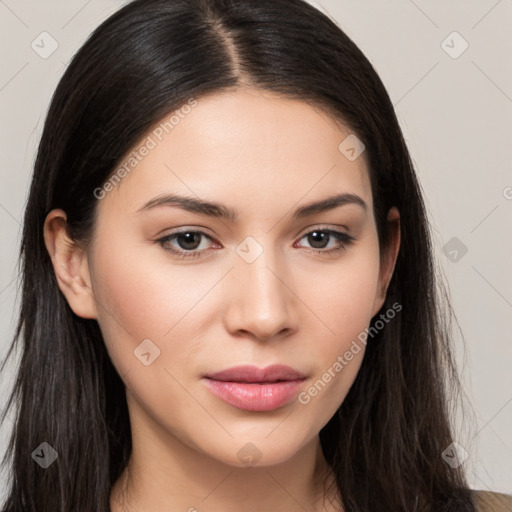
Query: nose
(261, 301)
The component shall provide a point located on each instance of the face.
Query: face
(274, 284)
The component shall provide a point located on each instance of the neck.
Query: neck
(165, 474)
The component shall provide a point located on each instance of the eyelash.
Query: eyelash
(346, 240)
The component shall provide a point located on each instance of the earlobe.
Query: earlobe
(70, 264)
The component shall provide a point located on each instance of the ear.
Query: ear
(388, 260)
(70, 264)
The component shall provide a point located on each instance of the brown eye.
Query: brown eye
(187, 243)
(189, 240)
(319, 239)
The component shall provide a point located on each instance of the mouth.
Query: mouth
(254, 389)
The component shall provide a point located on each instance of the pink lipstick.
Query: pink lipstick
(254, 389)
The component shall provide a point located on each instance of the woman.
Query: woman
(228, 286)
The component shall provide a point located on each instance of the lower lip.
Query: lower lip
(254, 396)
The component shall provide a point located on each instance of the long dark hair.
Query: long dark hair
(385, 442)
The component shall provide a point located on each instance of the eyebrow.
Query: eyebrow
(214, 209)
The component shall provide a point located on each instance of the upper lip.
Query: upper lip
(249, 373)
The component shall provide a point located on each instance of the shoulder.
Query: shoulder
(488, 501)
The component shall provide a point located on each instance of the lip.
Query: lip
(249, 373)
(253, 389)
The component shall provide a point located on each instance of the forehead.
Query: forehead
(246, 148)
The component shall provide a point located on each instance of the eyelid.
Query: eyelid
(323, 227)
(184, 229)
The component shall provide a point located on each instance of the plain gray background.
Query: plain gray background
(454, 105)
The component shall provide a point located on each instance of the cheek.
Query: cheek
(142, 295)
(343, 299)
(343, 295)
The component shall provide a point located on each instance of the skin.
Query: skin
(289, 306)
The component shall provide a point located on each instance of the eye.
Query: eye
(189, 241)
(320, 238)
